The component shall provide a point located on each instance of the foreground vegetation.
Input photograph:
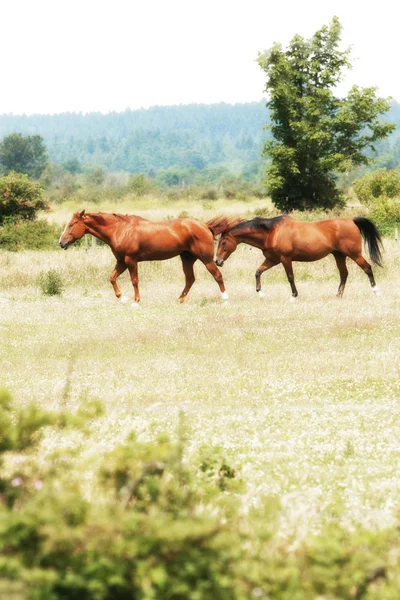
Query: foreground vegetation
(280, 418)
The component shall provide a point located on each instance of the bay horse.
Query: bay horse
(133, 239)
(283, 240)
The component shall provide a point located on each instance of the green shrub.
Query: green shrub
(209, 194)
(51, 283)
(28, 235)
(139, 184)
(160, 524)
(160, 529)
(377, 186)
(20, 197)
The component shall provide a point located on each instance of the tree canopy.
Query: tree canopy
(316, 134)
(23, 154)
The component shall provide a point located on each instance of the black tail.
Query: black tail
(372, 237)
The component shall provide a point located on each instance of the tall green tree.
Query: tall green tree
(23, 154)
(316, 134)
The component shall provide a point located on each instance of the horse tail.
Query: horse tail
(372, 238)
(221, 224)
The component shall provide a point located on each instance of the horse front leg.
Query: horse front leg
(119, 268)
(267, 264)
(216, 273)
(133, 271)
(287, 264)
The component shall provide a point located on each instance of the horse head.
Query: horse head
(226, 245)
(73, 231)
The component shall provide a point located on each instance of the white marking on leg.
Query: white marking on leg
(293, 298)
(123, 300)
(135, 304)
(224, 296)
(261, 294)
(376, 290)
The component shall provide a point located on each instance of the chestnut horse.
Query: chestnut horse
(133, 239)
(284, 240)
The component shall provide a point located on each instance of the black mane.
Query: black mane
(259, 223)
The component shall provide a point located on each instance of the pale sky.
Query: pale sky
(88, 55)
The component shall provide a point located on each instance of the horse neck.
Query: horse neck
(97, 229)
(253, 237)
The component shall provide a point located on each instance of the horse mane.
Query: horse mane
(102, 218)
(222, 224)
(267, 224)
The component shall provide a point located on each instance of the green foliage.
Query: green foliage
(72, 166)
(51, 283)
(139, 184)
(380, 191)
(157, 533)
(315, 133)
(147, 141)
(20, 198)
(158, 525)
(374, 187)
(95, 175)
(23, 154)
(28, 235)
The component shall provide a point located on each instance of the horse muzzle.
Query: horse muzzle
(219, 262)
(64, 245)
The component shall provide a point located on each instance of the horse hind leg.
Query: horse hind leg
(119, 268)
(133, 271)
(341, 265)
(287, 265)
(366, 267)
(188, 261)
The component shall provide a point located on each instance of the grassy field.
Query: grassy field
(302, 397)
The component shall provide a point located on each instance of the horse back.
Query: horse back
(150, 240)
(308, 241)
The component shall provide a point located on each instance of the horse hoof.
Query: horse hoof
(224, 296)
(123, 300)
(261, 294)
(376, 290)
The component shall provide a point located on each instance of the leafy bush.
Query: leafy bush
(139, 184)
(160, 525)
(160, 529)
(28, 235)
(377, 186)
(20, 198)
(209, 194)
(51, 283)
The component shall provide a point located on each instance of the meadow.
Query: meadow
(300, 397)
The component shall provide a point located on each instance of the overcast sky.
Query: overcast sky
(87, 55)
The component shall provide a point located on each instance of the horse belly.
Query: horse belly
(310, 251)
(161, 249)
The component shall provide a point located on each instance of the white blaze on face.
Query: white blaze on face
(65, 229)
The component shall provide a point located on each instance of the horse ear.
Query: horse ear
(82, 213)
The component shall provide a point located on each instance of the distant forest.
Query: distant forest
(146, 141)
